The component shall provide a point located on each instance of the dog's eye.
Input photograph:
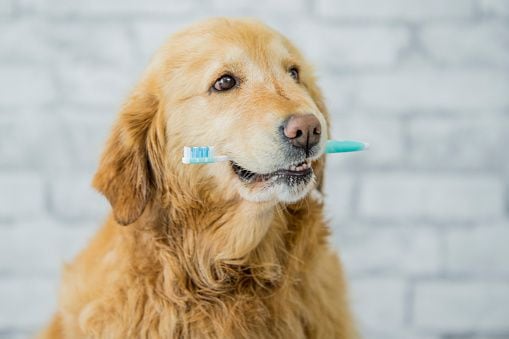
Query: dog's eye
(224, 83)
(294, 73)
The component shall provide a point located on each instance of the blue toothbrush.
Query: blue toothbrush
(206, 154)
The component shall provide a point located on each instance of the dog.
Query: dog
(234, 249)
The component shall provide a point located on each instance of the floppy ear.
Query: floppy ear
(126, 174)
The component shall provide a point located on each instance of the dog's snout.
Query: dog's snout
(302, 130)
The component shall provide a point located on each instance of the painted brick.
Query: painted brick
(339, 91)
(338, 190)
(74, 136)
(427, 90)
(480, 250)
(395, 9)
(119, 8)
(34, 140)
(385, 135)
(104, 43)
(404, 333)
(495, 7)
(6, 7)
(150, 36)
(487, 43)
(378, 304)
(246, 7)
(73, 198)
(397, 73)
(40, 247)
(20, 141)
(21, 195)
(389, 250)
(24, 40)
(461, 306)
(87, 136)
(26, 302)
(89, 85)
(471, 142)
(345, 47)
(431, 197)
(25, 86)
(32, 8)
(14, 334)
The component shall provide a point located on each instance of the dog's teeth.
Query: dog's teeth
(300, 166)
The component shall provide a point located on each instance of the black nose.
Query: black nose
(303, 130)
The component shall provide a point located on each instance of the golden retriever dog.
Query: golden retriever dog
(234, 249)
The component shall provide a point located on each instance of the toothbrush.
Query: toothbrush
(206, 154)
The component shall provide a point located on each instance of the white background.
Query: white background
(421, 221)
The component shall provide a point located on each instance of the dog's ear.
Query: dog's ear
(126, 174)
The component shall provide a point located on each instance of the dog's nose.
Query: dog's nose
(303, 130)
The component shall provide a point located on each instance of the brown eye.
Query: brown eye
(294, 73)
(224, 83)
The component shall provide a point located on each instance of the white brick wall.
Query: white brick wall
(96, 85)
(396, 9)
(416, 89)
(73, 198)
(350, 47)
(469, 143)
(25, 86)
(41, 246)
(119, 8)
(263, 6)
(479, 250)
(80, 43)
(6, 8)
(413, 251)
(21, 195)
(35, 48)
(20, 140)
(495, 7)
(385, 135)
(449, 197)
(462, 306)
(458, 44)
(421, 220)
(25, 302)
(381, 303)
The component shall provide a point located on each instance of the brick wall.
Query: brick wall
(421, 221)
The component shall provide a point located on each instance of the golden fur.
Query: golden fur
(202, 256)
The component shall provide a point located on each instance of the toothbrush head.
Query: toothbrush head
(201, 155)
(198, 155)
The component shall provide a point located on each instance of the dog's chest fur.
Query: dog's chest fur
(286, 287)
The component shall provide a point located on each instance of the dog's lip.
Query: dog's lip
(297, 169)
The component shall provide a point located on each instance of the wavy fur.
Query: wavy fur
(196, 260)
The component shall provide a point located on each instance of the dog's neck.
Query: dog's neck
(217, 247)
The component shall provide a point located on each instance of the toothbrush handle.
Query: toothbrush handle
(335, 146)
(219, 158)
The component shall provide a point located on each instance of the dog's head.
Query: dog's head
(236, 85)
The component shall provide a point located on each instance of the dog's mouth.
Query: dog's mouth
(294, 174)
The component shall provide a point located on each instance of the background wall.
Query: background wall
(421, 221)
